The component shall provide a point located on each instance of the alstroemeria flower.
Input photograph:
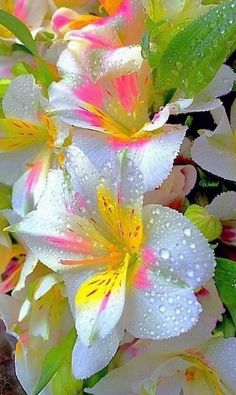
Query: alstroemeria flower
(41, 318)
(119, 14)
(176, 367)
(29, 138)
(12, 258)
(216, 151)
(112, 115)
(224, 208)
(31, 12)
(172, 192)
(125, 266)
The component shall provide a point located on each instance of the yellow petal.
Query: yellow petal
(16, 134)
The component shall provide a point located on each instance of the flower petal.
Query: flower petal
(22, 99)
(178, 245)
(215, 151)
(161, 312)
(29, 188)
(87, 361)
(221, 355)
(223, 206)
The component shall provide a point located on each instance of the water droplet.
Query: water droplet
(164, 253)
(187, 232)
(152, 299)
(162, 308)
(190, 273)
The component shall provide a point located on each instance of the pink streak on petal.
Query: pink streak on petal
(90, 93)
(20, 10)
(88, 117)
(148, 256)
(33, 177)
(142, 280)
(5, 71)
(96, 41)
(80, 200)
(117, 143)
(105, 302)
(72, 243)
(59, 21)
(128, 92)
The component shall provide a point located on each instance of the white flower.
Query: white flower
(125, 266)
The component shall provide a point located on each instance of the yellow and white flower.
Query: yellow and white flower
(125, 266)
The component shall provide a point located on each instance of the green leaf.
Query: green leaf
(5, 196)
(4, 84)
(18, 28)
(54, 360)
(226, 326)
(64, 382)
(91, 381)
(225, 278)
(195, 53)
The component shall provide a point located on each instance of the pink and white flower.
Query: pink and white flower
(125, 266)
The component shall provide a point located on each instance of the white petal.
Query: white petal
(15, 163)
(29, 188)
(178, 244)
(221, 354)
(119, 381)
(9, 309)
(215, 151)
(43, 230)
(95, 146)
(36, 12)
(211, 305)
(84, 177)
(22, 99)
(155, 158)
(161, 313)
(28, 267)
(220, 85)
(87, 361)
(223, 206)
(233, 115)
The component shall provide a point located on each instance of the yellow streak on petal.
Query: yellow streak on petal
(16, 134)
(95, 289)
(111, 126)
(6, 5)
(201, 368)
(123, 222)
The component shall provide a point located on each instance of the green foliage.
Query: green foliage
(64, 383)
(18, 28)
(226, 326)
(5, 196)
(4, 84)
(195, 50)
(54, 361)
(225, 278)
